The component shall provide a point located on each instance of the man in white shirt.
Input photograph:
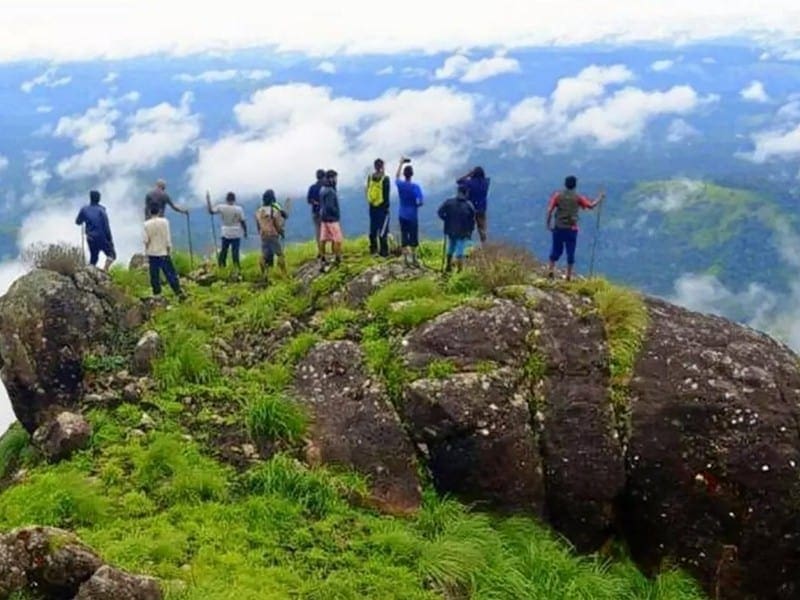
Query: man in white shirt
(157, 247)
(233, 227)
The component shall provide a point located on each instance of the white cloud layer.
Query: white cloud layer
(153, 135)
(215, 76)
(124, 28)
(755, 92)
(48, 79)
(6, 413)
(460, 67)
(3, 163)
(680, 131)
(288, 131)
(583, 108)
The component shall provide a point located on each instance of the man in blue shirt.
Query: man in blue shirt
(97, 230)
(313, 201)
(410, 199)
(477, 185)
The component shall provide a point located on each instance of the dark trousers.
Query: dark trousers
(409, 233)
(163, 264)
(233, 244)
(98, 246)
(564, 238)
(378, 230)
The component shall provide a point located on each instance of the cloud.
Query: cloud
(44, 109)
(465, 70)
(662, 65)
(126, 28)
(673, 195)
(110, 77)
(288, 131)
(754, 92)
(582, 108)
(680, 131)
(226, 75)
(386, 71)
(781, 140)
(154, 134)
(327, 66)
(709, 60)
(3, 163)
(48, 79)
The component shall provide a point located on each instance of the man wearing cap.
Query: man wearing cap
(158, 197)
(98, 232)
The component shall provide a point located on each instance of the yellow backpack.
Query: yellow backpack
(375, 191)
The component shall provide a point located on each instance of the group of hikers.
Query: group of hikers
(461, 215)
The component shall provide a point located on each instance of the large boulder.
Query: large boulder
(147, 350)
(355, 425)
(583, 456)
(109, 583)
(476, 430)
(470, 335)
(713, 459)
(49, 560)
(47, 322)
(59, 438)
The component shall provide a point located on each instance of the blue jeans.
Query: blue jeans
(163, 264)
(457, 246)
(564, 238)
(233, 244)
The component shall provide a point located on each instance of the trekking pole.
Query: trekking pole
(189, 233)
(213, 233)
(596, 234)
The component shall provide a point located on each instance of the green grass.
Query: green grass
(109, 363)
(440, 369)
(273, 418)
(15, 449)
(336, 320)
(187, 359)
(407, 304)
(298, 347)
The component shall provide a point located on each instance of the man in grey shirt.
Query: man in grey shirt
(158, 197)
(233, 227)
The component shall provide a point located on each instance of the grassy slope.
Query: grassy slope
(154, 499)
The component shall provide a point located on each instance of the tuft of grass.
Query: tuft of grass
(382, 359)
(298, 347)
(317, 491)
(15, 449)
(440, 369)
(273, 418)
(336, 320)
(133, 282)
(535, 367)
(61, 258)
(93, 363)
(406, 304)
(262, 310)
(187, 359)
(626, 321)
(497, 265)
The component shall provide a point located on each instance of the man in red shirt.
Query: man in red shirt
(566, 205)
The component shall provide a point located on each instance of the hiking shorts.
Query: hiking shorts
(409, 233)
(330, 232)
(270, 248)
(564, 238)
(458, 246)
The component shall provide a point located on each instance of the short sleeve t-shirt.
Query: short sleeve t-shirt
(410, 195)
(232, 217)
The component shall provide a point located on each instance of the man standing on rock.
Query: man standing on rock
(157, 247)
(330, 216)
(458, 215)
(270, 222)
(410, 195)
(233, 228)
(313, 201)
(566, 205)
(477, 185)
(377, 191)
(97, 230)
(158, 197)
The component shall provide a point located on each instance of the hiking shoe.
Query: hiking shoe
(551, 275)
